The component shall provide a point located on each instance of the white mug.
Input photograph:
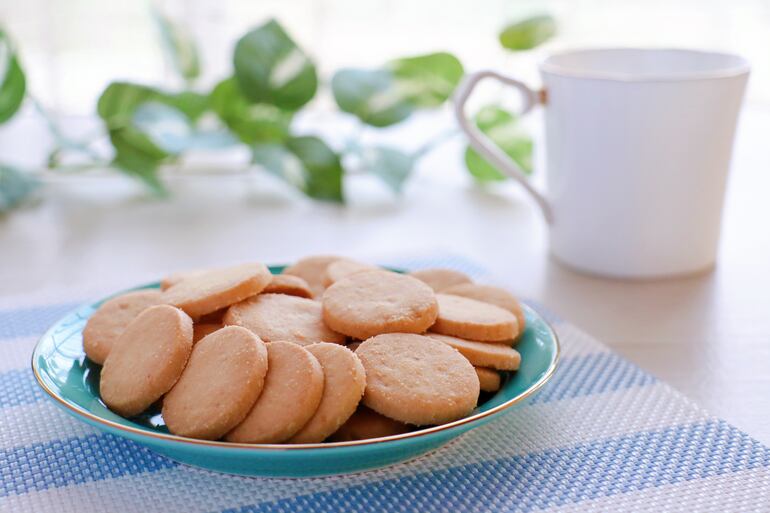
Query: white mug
(638, 144)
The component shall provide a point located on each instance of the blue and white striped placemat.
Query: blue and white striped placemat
(602, 436)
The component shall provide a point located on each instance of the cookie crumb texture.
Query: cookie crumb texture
(439, 279)
(289, 285)
(370, 303)
(219, 386)
(417, 380)
(312, 269)
(275, 317)
(474, 320)
(146, 360)
(293, 389)
(205, 292)
(344, 384)
(111, 319)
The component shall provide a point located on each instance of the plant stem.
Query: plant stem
(435, 141)
(62, 140)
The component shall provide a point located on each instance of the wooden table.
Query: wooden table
(708, 335)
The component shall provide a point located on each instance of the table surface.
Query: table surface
(708, 335)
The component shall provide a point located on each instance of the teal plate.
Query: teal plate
(72, 381)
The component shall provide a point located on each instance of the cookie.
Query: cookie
(111, 318)
(489, 294)
(440, 279)
(365, 424)
(172, 279)
(344, 383)
(311, 269)
(374, 302)
(417, 380)
(208, 291)
(288, 284)
(293, 388)
(489, 379)
(275, 317)
(474, 320)
(146, 360)
(344, 267)
(204, 329)
(219, 386)
(483, 354)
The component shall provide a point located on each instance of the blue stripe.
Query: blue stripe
(549, 478)
(577, 376)
(31, 321)
(74, 461)
(18, 387)
(592, 374)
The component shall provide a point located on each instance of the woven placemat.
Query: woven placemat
(603, 435)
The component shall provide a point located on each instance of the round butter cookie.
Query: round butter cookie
(417, 379)
(289, 285)
(440, 279)
(489, 294)
(343, 268)
(208, 291)
(474, 320)
(483, 354)
(111, 318)
(311, 269)
(146, 360)
(222, 381)
(344, 383)
(489, 379)
(374, 302)
(172, 279)
(275, 317)
(293, 389)
(365, 424)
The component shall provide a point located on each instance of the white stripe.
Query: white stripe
(529, 429)
(16, 353)
(38, 422)
(740, 492)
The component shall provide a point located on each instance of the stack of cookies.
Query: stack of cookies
(332, 349)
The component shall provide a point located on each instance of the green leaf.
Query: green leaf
(135, 152)
(15, 187)
(179, 47)
(503, 129)
(13, 83)
(427, 80)
(119, 101)
(305, 162)
(136, 155)
(383, 97)
(371, 95)
(191, 103)
(388, 164)
(528, 33)
(251, 122)
(271, 68)
(168, 128)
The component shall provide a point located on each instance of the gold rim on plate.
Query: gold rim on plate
(293, 447)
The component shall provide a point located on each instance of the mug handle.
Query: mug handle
(484, 145)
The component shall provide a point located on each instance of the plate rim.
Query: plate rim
(94, 419)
